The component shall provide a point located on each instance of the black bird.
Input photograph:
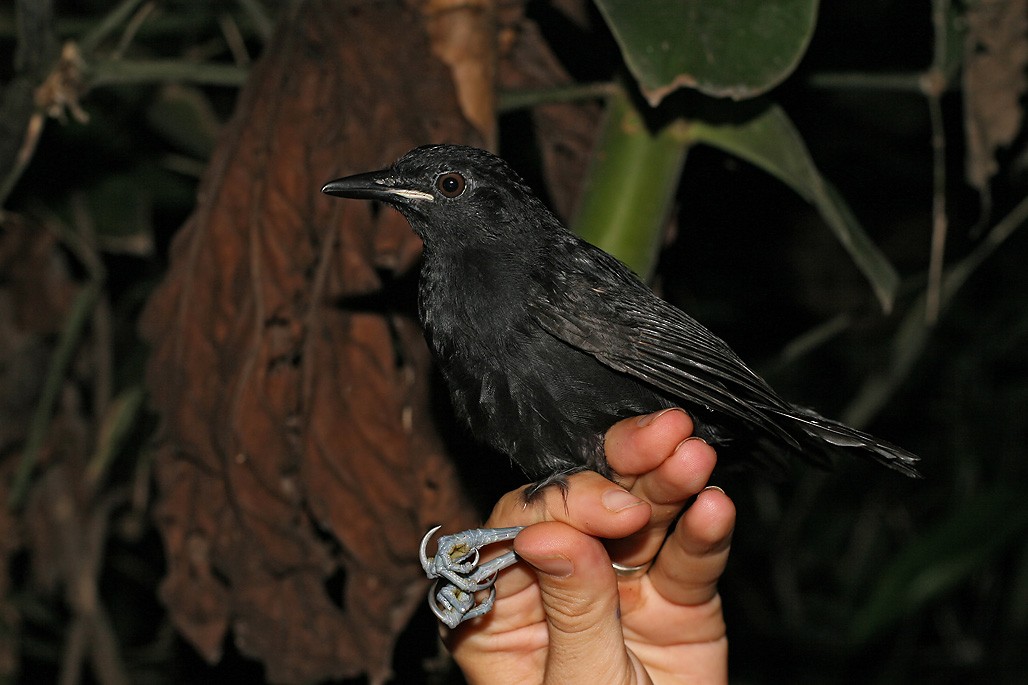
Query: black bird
(546, 341)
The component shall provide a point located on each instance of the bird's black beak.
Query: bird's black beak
(375, 185)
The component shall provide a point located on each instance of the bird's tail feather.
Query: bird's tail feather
(841, 435)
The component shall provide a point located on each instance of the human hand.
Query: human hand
(568, 617)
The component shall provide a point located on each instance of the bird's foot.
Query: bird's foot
(459, 575)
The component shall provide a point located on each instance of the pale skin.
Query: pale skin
(566, 617)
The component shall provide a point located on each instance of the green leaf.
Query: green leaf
(724, 48)
(630, 187)
(942, 558)
(769, 141)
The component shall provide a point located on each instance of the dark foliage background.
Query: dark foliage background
(849, 576)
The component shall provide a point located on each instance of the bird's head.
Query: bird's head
(452, 194)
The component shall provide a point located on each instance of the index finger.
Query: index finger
(590, 503)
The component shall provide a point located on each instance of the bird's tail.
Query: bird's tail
(840, 435)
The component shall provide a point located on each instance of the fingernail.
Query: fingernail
(616, 499)
(643, 421)
(557, 566)
(692, 437)
(714, 487)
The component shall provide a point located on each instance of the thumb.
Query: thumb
(580, 600)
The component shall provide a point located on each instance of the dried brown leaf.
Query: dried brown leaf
(996, 56)
(463, 36)
(298, 453)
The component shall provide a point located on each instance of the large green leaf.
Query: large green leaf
(725, 48)
(768, 140)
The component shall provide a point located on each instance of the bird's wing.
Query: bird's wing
(600, 308)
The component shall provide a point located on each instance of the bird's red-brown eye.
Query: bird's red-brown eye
(451, 184)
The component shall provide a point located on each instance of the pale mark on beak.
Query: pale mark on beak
(412, 194)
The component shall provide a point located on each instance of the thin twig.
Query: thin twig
(234, 39)
(92, 40)
(957, 275)
(132, 28)
(934, 84)
(912, 334)
(810, 340)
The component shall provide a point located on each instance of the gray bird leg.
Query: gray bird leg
(459, 574)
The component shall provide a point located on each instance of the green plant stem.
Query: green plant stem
(631, 184)
(514, 100)
(120, 72)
